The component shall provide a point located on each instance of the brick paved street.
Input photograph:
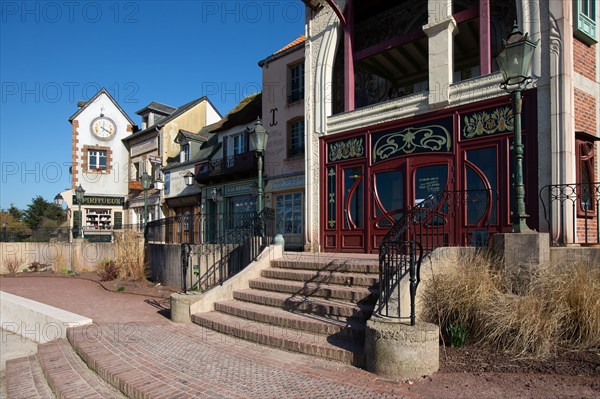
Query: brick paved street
(131, 344)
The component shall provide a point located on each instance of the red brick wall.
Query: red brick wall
(584, 58)
(585, 112)
(74, 146)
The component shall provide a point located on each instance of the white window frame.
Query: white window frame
(97, 155)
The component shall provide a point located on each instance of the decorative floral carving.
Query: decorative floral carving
(500, 120)
(346, 149)
(427, 138)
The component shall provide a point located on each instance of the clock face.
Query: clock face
(103, 128)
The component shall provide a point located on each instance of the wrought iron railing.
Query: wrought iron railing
(217, 260)
(195, 228)
(245, 162)
(438, 221)
(571, 211)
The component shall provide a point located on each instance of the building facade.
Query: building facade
(156, 146)
(283, 113)
(404, 100)
(100, 166)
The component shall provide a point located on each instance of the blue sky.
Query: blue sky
(55, 53)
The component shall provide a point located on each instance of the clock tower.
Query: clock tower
(99, 165)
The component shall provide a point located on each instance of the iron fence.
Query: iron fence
(222, 257)
(571, 211)
(447, 218)
(195, 228)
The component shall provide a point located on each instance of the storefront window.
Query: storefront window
(289, 213)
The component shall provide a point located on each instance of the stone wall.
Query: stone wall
(76, 256)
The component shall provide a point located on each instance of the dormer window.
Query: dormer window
(185, 153)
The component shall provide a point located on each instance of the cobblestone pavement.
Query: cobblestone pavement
(131, 340)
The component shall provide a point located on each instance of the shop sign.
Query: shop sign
(97, 200)
(243, 188)
(287, 183)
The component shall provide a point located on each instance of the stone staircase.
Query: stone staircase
(316, 305)
(56, 371)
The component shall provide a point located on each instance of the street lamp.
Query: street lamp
(146, 181)
(514, 61)
(258, 138)
(188, 178)
(79, 192)
(58, 200)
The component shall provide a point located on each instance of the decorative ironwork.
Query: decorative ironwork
(331, 203)
(431, 138)
(571, 211)
(346, 149)
(427, 226)
(498, 120)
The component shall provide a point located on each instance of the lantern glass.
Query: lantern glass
(515, 58)
(158, 184)
(58, 200)
(258, 137)
(146, 180)
(79, 193)
(188, 178)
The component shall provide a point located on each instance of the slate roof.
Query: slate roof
(157, 107)
(91, 100)
(169, 118)
(289, 48)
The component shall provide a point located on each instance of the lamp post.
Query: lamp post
(79, 193)
(146, 181)
(514, 61)
(258, 138)
(58, 200)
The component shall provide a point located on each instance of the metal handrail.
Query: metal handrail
(429, 225)
(571, 211)
(221, 258)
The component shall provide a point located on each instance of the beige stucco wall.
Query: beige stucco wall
(192, 120)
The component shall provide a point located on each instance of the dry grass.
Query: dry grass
(12, 265)
(129, 258)
(560, 307)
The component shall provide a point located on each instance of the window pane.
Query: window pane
(390, 191)
(353, 190)
(485, 160)
(430, 180)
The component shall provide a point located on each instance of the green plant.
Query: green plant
(66, 272)
(26, 270)
(121, 289)
(457, 333)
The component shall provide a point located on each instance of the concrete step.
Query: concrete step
(331, 264)
(25, 379)
(300, 303)
(331, 348)
(327, 325)
(323, 277)
(350, 294)
(69, 376)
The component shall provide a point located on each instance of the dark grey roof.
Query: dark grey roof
(167, 119)
(91, 100)
(157, 107)
(205, 152)
(190, 136)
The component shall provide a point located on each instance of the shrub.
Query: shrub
(559, 307)
(12, 265)
(38, 267)
(108, 270)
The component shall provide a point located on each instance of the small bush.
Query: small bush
(559, 307)
(121, 289)
(12, 265)
(38, 267)
(108, 270)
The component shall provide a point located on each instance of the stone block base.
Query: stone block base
(180, 306)
(401, 351)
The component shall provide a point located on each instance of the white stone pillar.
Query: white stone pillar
(440, 29)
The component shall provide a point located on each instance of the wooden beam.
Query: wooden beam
(485, 48)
